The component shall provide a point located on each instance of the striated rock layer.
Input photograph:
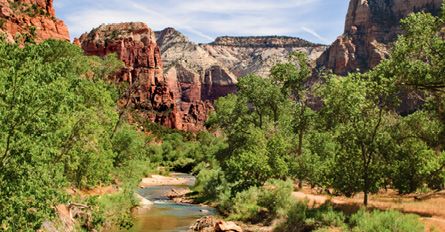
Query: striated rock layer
(30, 18)
(237, 56)
(371, 26)
(160, 99)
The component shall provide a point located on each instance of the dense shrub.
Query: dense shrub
(382, 221)
(262, 204)
(302, 218)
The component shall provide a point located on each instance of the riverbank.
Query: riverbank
(175, 179)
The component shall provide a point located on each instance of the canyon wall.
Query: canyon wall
(151, 94)
(22, 19)
(371, 26)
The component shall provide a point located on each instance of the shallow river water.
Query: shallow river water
(166, 215)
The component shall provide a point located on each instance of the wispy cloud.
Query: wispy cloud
(202, 20)
(315, 34)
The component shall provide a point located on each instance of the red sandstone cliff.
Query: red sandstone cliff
(158, 98)
(35, 18)
(371, 26)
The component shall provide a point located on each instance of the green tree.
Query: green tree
(293, 77)
(417, 67)
(353, 110)
(56, 113)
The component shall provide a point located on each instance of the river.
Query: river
(166, 215)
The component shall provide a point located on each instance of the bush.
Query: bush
(390, 221)
(301, 218)
(262, 204)
(296, 218)
(210, 183)
(245, 206)
(128, 144)
(276, 197)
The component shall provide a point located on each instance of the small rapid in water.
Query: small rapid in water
(166, 215)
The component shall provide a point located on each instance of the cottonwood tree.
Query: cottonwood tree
(292, 77)
(353, 111)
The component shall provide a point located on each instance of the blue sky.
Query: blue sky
(203, 20)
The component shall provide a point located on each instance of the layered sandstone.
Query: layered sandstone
(152, 95)
(234, 57)
(371, 26)
(36, 19)
(257, 55)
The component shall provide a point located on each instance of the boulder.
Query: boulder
(211, 224)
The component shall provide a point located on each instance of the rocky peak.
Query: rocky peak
(173, 100)
(31, 18)
(170, 36)
(120, 38)
(262, 41)
(371, 26)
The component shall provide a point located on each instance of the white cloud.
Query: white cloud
(315, 34)
(202, 20)
(239, 5)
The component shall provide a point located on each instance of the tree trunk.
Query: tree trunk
(365, 199)
(300, 143)
(366, 187)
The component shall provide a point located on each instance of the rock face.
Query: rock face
(199, 76)
(154, 96)
(236, 56)
(246, 55)
(31, 18)
(371, 26)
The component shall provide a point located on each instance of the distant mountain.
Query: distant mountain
(239, 56)
(371, 26)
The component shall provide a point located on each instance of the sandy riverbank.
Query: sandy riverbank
(157, 180)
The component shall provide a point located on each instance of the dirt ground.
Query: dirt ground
(431, 208)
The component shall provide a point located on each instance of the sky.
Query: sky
(319, 21)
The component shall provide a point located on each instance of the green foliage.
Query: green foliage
(211, 183)
(128, 144)
(360, 124)
(56, 117)
(302, 218)
(316, 163)
(185, 153)
(262, 204)
(385, 221)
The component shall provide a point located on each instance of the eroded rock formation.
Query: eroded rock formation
(201, 73)
(30, 18)
(237, 56)
(156, 97)
(371, 26)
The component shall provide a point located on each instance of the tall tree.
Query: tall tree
(353, 111)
